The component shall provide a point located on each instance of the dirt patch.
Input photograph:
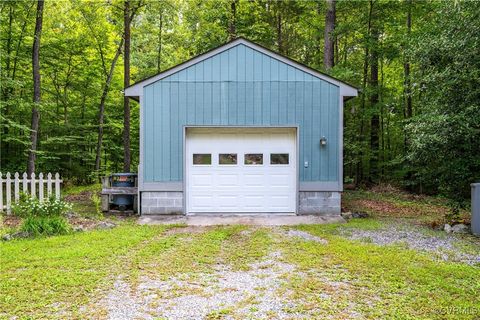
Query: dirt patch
(84, 223)
(389, 209)
(385, 188)
(390, 190)
(10, 221)
(77, 222)
(384, 208)
(84, 196)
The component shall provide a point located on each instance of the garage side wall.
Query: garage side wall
(241, 87)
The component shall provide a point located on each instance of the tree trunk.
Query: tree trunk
(375, 119)
(279, 33)
(19, 43)
(329, 49)
(318, 38)
(359, 167)
(159, 52)
(36, 89)
(407, 89)
(101, 111)
(232, 27)
(126, 83)
(9, 50)
(4, 145)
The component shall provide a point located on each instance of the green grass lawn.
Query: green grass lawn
(68, 276)
(54, 277)
(39, 276)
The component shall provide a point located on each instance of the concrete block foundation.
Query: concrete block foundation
(319, 203)
(162, 202)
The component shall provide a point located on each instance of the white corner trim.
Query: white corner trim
(137, 89)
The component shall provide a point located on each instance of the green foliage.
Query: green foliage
(445, 134)
(45, 226)
(43, 218)
(32, 207)
(433, 150)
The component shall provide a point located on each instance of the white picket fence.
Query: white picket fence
(34, 187)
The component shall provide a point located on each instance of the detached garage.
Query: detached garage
(240, 130)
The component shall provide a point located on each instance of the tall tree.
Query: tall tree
(126, 83)
(232, 25)
(101, 109)
(36, 89)
(374, 99)
(329, 47)
(160, 33)
(359, 170)
(407, 87)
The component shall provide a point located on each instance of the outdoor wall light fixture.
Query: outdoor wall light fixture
(323, 141)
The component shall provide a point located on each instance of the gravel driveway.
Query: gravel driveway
(261, 291)
(443, 246)
(251, 293)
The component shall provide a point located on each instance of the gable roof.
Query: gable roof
(136, 89)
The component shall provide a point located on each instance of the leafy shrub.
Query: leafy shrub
(46, 226)
(43, 218)
(32, 207)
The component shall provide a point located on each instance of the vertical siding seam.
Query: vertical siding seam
(329, 115)
(321, 133)
(307, 142)
(203, 93)
(154, 118)
(261, 90)
(211, 101)
(316, 138)
(244, 107)
(172, 141)
(179, 126)
(144, 128)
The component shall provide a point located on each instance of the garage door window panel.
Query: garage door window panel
(279, 158)
(204, 159)
(227, 159)
(253, 159)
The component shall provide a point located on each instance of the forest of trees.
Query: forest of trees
(416, 122)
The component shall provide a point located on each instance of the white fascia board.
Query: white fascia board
(137, 89)
(134, 91)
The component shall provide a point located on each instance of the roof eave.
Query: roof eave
(134, 90)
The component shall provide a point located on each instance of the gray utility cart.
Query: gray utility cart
(119, 193)
(476, 209)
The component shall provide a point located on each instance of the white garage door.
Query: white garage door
(241, 170)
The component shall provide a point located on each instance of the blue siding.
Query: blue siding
(240, 86)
